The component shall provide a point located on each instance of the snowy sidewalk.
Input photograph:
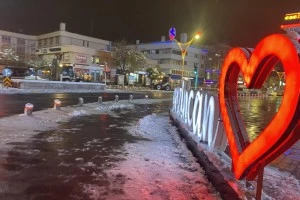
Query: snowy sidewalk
(161, 167)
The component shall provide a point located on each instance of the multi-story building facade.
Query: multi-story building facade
(73, 49)
(62, 47)
(169, 57)
(23, 45)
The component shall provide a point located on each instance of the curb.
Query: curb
(211, 171)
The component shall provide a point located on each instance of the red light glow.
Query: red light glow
(283, 131)
(289, 26)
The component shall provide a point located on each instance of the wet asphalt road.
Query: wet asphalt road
(60, 164)
(258, 112)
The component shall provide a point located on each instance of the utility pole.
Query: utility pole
(196, 72)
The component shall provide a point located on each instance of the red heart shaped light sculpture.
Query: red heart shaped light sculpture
(284, 129)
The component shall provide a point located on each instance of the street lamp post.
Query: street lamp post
(280, 76)
(184, 47)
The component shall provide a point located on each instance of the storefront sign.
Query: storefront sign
(284, 130)
(81, 59)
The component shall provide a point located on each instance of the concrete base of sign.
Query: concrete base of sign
(34, 84)
(213, 174)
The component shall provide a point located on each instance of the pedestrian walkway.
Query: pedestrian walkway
(289, 161)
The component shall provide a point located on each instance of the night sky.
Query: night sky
(235, 22)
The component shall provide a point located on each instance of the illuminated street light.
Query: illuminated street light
(280, 76)
(197, 36)
(184, 47)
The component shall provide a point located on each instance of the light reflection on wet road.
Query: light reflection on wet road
(258, 112)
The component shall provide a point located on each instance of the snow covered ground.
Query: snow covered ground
(159, 167)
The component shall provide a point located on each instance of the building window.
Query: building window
(57, 40)
(146, 52)
(166, 51)
(152, 51)
(165, 61)
(174, 62)
(44, 42)
(39, 43)
(176, 52)
(21, 51)
(87, 43)
(31, 43)
(156, 51)
(6, 39)
(83, 43)
(51, 41)
(21, 42)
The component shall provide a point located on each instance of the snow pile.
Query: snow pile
(76, 113)
(146, 128)
(115, 106)
(158, 167)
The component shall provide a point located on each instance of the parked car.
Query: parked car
(162, 86)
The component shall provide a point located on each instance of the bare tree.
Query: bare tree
(126, 58)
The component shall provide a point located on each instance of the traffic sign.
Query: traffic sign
(7, 82)
(172, 33)
(106, 69)
(6, 72)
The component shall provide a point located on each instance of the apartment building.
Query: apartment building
(169, 57)
(23, 45)
(73, 49)
(61, 47)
